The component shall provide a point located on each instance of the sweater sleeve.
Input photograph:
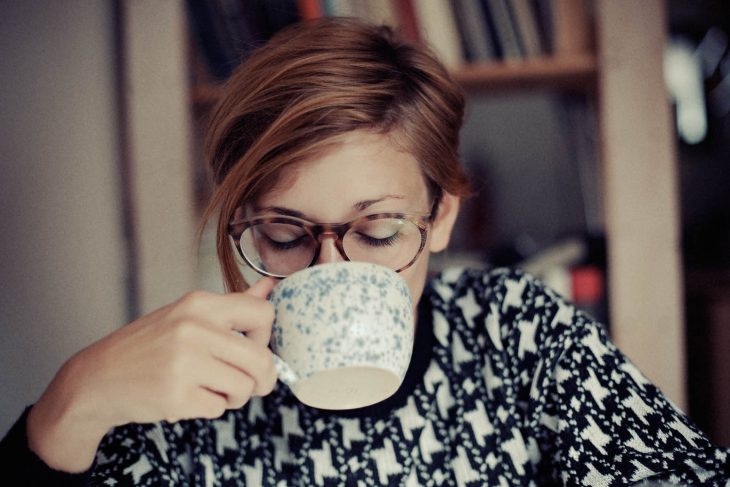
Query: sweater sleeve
(615, 427)
(599, 421)
(140, 455)
(24, 468)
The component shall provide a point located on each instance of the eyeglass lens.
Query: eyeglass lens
(283, 248)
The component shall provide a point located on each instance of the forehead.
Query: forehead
(361, 167)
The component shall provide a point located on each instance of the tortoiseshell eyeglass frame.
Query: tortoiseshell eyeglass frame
(337, 230)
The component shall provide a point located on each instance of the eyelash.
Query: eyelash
(380, 242)
(285, 245)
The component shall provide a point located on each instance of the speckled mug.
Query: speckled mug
(343, 334)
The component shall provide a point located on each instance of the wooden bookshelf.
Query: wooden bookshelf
(576, 72)
(565, 73)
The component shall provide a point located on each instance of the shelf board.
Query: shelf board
(577, 73)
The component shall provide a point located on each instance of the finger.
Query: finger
(234, 311)
(262, 287)
(246, 355)
(230, 382)
(206, 403)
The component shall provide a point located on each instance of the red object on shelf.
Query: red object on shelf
(587, 284)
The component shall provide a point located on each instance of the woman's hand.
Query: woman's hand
(185, 360)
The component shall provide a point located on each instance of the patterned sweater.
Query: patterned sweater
(508, 385)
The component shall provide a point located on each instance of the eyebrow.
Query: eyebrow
(365, 204)
(359, 206)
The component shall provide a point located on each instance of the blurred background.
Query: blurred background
(597, 137)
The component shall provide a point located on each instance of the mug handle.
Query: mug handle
(285, 372)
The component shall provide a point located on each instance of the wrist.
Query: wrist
(63, 428)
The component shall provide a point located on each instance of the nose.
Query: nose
(328, 251)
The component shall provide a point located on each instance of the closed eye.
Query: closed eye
(379, 242)
(286, 245)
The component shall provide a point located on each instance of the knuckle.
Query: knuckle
(183, 332)
(248, 387)
(242, 393)
(267, 362)
(258, 359)
(268, 312)
(267, 381)
(238, 402)
(215, 408)
(266, 387)
(172, 418)
(217, 411)
(193, 300)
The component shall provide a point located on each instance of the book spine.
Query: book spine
(280, 13)
(505, 30)
(383, 12)
(437, 26)
(571, 27)
(340, 8)
(544, 15)
(211, 37)
(525, 20)
(407, 19)
(310, 9)
(474, 30)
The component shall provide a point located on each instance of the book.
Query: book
(240, 29)
(278, 14)
(382, 12)
(438, 29)
(509, 41)
(525, 18)
(571, 27)
(310, 9)
(209, 29)
(343, 8)
(407, 19)
(543, 13)
(474, 29)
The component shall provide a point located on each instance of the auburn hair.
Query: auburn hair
(312, 83)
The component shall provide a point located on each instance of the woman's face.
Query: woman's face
(365, 174)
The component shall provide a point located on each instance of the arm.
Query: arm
(597, 419)
(181, 361)
(613, 424)
(23, 467)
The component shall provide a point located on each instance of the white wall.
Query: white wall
(62, 259)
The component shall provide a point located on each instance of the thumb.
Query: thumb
(262, 288)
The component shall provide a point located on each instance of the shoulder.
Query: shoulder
(511, 291)
(514, 308)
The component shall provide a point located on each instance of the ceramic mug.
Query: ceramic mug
(343, 334)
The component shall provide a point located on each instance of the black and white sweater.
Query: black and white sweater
(508, 385)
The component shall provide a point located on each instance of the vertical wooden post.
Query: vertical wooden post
(157, 145)
(641, 194)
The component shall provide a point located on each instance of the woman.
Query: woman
(334, 121)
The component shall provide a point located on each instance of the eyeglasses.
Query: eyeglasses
(279, 246)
